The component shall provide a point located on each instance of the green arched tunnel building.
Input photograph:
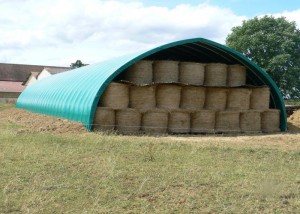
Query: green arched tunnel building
(75, 94)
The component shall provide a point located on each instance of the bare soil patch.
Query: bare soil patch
(31, 122)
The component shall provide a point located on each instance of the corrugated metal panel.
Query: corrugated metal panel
(76, 93)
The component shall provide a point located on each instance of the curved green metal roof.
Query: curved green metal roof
(75, 94)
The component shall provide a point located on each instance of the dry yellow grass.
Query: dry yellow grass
(45, 171)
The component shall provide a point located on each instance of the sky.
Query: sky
(58, 32)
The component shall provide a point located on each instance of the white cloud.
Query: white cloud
(291, 16)
(57, 31)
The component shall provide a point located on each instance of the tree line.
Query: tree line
(274, 45)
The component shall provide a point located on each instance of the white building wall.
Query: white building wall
(44, 73)
(30, 80)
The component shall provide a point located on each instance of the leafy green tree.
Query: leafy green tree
(77, 64)
(274, 45)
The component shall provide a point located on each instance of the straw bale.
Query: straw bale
(216, 98)
(250, 121)
(215, 74)
(104, 119)
(228, 121)
(260, 98)
(116, 95)
(203, 121)
(142, 97)
(128, 121)
(238, 99)
(191, 73)
(192, 97)
(168, 96)
(270, 120)
(165, 71)
(155, 121)
(140, 73)
(236, 75)
(179, 122)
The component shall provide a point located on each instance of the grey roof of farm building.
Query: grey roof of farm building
(20, 72)
(75, 94)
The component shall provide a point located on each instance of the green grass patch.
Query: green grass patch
(292, 102)
(97, 173)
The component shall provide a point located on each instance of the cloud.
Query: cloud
(291, 16)
(54, 31)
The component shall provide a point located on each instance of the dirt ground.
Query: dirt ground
(30, 122)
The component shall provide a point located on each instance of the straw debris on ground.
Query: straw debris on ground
(31, 122)
(294, 122)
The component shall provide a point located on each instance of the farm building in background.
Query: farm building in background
(79, 93)
(15, 77)
(46, 72)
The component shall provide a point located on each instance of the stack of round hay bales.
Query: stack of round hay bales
(168, 96)
(165, 71)
(238, 99)
(155, 121)
(142, 97)
(260, 98)
(191, 73)
(215, 74)
(185, 97)
(270, 120)
(116, 96)
(179, 122)
(250, 121)
(203, 121)
(192, 97)
(104, 119)
(228, 121)
(236, 75)
(128, 121)
(140, 73)
(216, 98)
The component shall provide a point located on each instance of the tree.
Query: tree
(274, 45)
(77, 64)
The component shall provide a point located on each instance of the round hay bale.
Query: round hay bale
(215, 74)
(250, 121)
(260, 98)
(140, 73)
(191, 73)
(104, 119)
(155, 121)
(238, 99)
(179, 122)
(270, 120)
(142, 97)
(236, 75)
(168, 96)
(165, 71)
(128, 121)
(116, 95)
(203, 121)
(228, 121)
(192, 97)
(216, 98)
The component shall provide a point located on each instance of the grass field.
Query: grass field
(49, 172)
(292, 102)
